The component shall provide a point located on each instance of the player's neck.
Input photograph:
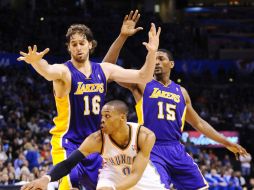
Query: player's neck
(121, 136)
(84, 67)
(80, 65)
(164, 79)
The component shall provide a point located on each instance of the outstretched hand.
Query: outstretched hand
(237, 150)
(129, 23)
(32, 56)
(154, 38)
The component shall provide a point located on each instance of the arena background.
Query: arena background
(213, 45)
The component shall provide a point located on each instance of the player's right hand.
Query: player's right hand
(38, 184)
(129, 23)
(32, 56)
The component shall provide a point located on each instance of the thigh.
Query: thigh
(187, 176)
(161, 166)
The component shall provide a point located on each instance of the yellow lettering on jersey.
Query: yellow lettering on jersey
(164, 94)
(82, 88)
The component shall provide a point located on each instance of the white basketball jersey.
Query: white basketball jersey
(121, 159)
(118, 164)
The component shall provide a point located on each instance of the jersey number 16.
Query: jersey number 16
(95, 105)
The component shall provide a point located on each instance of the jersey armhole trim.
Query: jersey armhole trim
(138, 131)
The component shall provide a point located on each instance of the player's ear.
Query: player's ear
(172, 64)
(123, 117)
(90, 45)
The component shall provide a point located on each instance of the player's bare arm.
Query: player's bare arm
(145, 74)
(205, 128)
(91, 144)
(49, 72)
(128, 29)
(146, 141)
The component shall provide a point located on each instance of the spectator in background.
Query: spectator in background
(3, 156)
(246, 165)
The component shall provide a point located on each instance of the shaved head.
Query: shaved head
(119, 106)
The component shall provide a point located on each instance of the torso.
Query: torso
(162, 110)
(120, 159)
(79, 105)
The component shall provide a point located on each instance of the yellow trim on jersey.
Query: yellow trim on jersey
(139, 111)
(183, 118)
(62, 122)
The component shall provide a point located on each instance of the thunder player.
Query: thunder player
(163, 106)
(125, 148)
(79, 88)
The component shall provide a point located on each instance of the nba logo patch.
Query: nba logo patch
(99, 76)
(177, 89)
(134, 147)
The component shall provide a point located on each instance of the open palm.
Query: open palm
(129, 24)
(32, 56)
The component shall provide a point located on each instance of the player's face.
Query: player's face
(79, 47)
(163, 64)
(110, 120)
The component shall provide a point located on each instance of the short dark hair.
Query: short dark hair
(119, 105)
(81, 29)
(169, 54)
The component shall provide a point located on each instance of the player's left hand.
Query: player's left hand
(237, 150)
(38, 184)
(129, 23)
(154, 38)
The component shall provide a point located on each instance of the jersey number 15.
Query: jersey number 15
(170, 111)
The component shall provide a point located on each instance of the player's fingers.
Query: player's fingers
(21, 58)
(130, 15)
(138, 29)
(23, 53)
(134, 15)
(236, 156)
(45, 51)
(29, 49)
(145, 44)
(35, 48)
(126, 17)
(159, 31)
(137, 18)
(153, 29)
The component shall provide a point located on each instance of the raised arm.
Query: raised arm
(91, 144)
(127, 29)
(205, 128)
(146, 141)
(49, 72)
(145, 74)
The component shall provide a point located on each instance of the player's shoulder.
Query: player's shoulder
(95, 137)
(145, 133)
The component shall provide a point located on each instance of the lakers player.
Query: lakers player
(163, 106)
(79, 88)
(125, 148)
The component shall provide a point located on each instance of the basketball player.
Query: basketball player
(163, 106)
(125, 148)
(79, 89)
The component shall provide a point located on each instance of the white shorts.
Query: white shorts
(150, 180)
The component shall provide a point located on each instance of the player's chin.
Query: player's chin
(157, 72)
